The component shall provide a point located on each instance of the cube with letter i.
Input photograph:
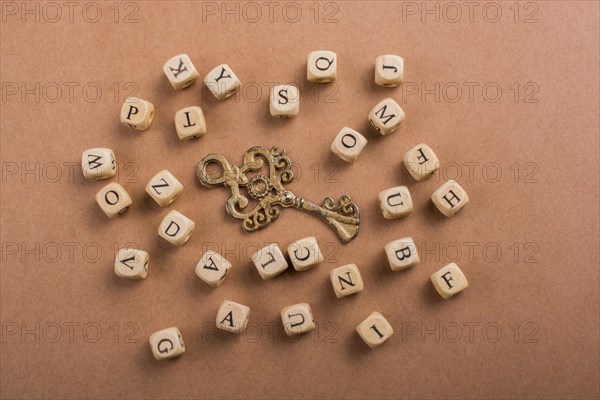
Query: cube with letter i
(375, 330)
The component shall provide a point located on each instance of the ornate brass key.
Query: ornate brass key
(270, 193)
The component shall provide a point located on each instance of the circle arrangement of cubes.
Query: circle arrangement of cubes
(385, 117)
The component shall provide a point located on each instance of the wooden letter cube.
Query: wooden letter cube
(421, 162)
(449, 280)
(285, 101)
(167, 343)
(321, 66)
(395, 202)
(232, 317)
(450, 198)
(346, 280)
(131, 263)
(386, 116)
(269, 261)
(164, 188)
(137, 113)
(402, 253)
(180, 71)
(213, 268)
(305, 253)
(374, 330)
(176, 228)
(190, 123)
(222, 82)
(113, 200)
(389, 70)
(98, 163)
(348, 144)
(297, 319)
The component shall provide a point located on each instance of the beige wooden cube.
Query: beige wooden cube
(297, 319)
(232, 317)
(386, 116)
(98, 163)
(137, 113)
(450, 198)
(222, 82)
(402, 253)
(167, 343)
(180, 71)
(321, 66)
(113, 200)
(190, 123)
(449, 280)
(305, 253)
(269, 261)
(213, 268)
(164, 188)
(285, 101)
(346, 280)
(375, 330)
(176, 228)
(421, 162)
(389, 70)
(395, 202)
(132, 264)
(348, 144)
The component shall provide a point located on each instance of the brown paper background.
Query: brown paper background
(548, 292)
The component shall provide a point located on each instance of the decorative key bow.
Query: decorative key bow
(270, 193)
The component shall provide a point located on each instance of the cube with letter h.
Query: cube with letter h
(450, 198)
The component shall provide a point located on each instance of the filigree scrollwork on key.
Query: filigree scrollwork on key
(270, 193)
